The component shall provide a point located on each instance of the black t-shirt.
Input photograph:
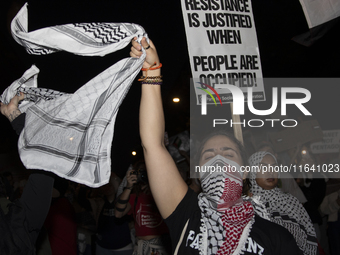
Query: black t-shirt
(113, 233)
(314, 194)
(265, 237)
(18, 123)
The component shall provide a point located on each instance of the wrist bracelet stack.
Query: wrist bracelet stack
(151, 80)
(122, 202)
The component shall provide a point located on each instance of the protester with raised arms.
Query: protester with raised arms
(219, 220)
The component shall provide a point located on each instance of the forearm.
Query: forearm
(11, 110)
(166, 183)
(151, 114)
(11, 116)
(122, 203)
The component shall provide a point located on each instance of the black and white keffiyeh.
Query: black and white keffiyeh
(285, 210)
(71, 134)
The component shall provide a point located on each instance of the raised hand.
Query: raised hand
(151, 52)
(11, 110)
(130, 178)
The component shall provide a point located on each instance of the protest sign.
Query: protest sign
(304, 132)
(329, 144)
(319, 12)
(223, 47)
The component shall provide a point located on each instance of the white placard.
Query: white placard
(330, 143)
(320, 11)
(223, 46)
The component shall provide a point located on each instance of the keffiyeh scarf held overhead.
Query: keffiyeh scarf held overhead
(226, 218)
(71, 134)
(285, 210)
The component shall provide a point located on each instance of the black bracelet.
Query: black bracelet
(122, 201)
(127, 188)
(120, 209)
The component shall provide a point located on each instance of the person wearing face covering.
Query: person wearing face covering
(219, 220)
(284, 209)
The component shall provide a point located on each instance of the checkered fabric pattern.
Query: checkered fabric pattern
(71, 134)
(285, 210)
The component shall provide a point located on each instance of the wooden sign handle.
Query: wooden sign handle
(237, 128)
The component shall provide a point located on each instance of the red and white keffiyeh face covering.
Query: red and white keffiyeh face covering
(223, 211)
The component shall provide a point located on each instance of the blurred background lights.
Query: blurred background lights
(134, 153)
(175, 99)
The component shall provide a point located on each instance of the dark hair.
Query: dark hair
(264, 144)
(246, 187)
(5, 187)
(61, 185)
(3, 191)
(138, 164)
(138, 187)
(238, 144)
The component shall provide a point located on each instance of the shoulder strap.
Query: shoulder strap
(181, 238)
